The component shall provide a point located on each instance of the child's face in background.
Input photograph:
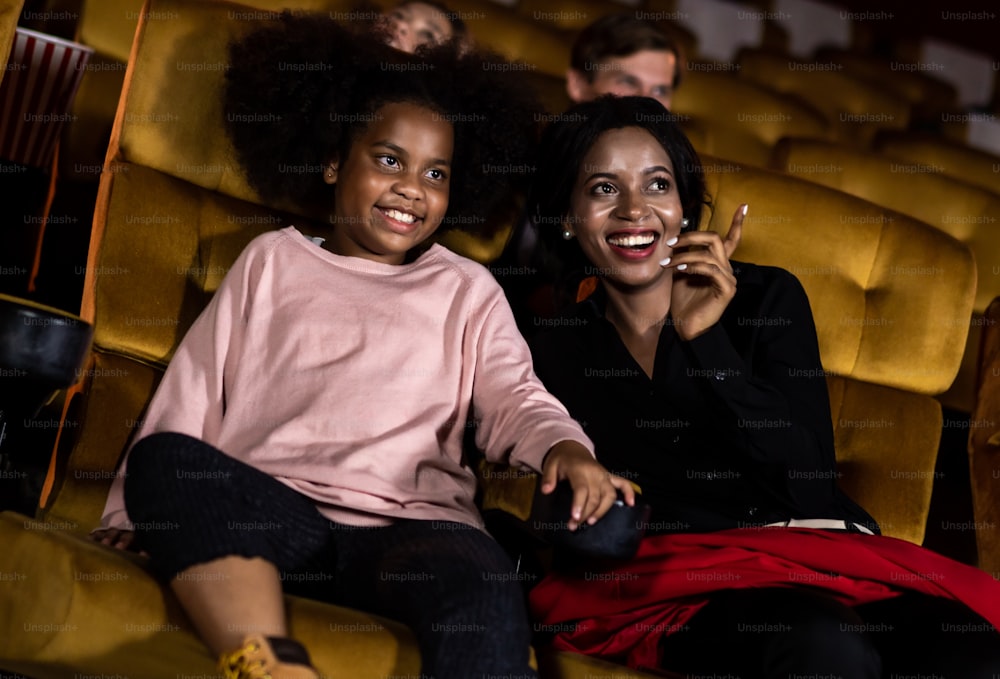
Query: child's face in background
(392, 189)
(415, 24)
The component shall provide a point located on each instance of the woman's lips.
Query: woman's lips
(633, 244)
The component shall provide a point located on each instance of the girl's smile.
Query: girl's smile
(392, 191)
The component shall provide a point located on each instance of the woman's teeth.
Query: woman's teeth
(404, 217)
(632, 241)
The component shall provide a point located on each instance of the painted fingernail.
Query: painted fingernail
(672, 240)
(745, 208)
(681, 267)
(664, 262)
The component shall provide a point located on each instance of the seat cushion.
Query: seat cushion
(84, 609)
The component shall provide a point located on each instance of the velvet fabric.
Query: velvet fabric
(856, 109)
(743, 119)
(922, 191)
(948, 157)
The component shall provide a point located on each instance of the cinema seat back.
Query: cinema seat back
(891, 297)
(967, 212)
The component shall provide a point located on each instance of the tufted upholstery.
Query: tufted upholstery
(744, 120)
(967, 212)
(891, 298)
(926, 94)
(855, 108)
(173, 212)
(953, 158)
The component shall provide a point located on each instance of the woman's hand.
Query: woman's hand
(703, 283)
(594, 487)
(115, 537)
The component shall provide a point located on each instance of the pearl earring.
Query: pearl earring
(567, 234)
(685, 222)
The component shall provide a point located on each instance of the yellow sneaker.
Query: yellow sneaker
(267, 658)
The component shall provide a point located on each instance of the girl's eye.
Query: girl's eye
(604, 189)
(437, 175)
(389, 161)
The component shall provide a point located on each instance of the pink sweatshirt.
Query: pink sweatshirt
(352, 381)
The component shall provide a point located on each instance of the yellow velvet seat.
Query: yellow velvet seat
(10, 12)
(856, 109)
(566, 15)
(928, 96)
(954, 158)
(743, 119)
(967, 212)
(891, 297)
(174, 211)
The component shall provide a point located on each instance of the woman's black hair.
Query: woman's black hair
(301, 89)
(568, 139)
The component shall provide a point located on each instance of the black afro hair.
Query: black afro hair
(301, 88)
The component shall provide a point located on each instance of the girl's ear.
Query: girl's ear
(330, 173)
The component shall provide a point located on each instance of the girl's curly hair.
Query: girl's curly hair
(301, 89)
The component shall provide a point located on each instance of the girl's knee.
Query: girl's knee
(158, 463)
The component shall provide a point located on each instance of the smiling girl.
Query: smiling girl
(309, 428)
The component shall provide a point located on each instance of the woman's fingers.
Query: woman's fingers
(735, 234)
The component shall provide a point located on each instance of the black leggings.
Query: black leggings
(450, 583)
(798, 632)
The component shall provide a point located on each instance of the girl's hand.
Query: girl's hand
(115, 537)
(703, 283)
(594, 487)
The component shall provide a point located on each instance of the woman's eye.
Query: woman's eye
(660, 184)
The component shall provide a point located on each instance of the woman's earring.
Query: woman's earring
(685, 222)
(329, 174)
(567, 234)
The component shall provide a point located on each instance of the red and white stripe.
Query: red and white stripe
(42, 76)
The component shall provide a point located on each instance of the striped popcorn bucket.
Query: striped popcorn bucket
(42, 76)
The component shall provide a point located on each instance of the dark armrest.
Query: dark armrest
(42, 350)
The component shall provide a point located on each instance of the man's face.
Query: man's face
(648, 73)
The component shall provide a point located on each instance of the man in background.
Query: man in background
(625, 56)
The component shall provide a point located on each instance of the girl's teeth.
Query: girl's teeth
(400, 216)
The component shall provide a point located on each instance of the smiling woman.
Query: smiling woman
(699, 378)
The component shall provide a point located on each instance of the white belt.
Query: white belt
(836, 524)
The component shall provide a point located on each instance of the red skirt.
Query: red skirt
(621, 614)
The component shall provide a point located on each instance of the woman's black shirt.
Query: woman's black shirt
(733, 430)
